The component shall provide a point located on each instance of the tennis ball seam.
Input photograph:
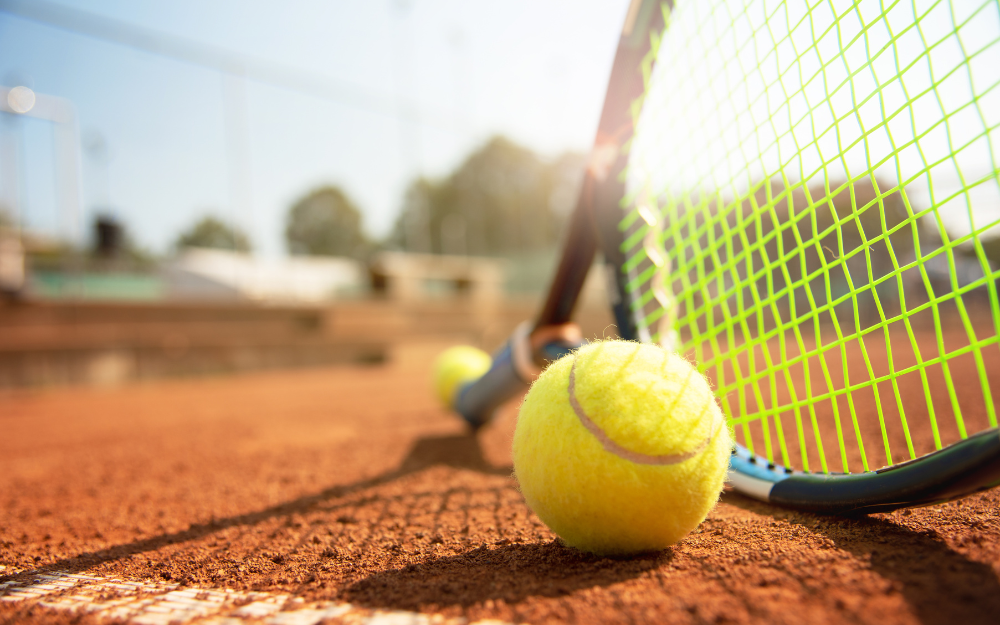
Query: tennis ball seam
(623, 452)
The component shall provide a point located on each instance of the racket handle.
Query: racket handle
(512, 371)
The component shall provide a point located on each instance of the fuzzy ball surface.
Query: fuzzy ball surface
(456, 366)
(621, 448)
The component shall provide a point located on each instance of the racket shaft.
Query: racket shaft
(478, 400)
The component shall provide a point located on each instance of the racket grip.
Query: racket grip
(511, 374)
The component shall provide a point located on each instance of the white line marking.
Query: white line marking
(150, 603)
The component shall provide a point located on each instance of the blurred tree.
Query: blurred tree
(109, 236)
(991, 247)
(113, 248)
(214, 233)
(325, 223)
(502, 200)
(801, 247)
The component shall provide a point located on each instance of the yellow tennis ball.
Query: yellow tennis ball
(621, 448)
(454, 367)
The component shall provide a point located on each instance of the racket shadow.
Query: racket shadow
(941, 585)
(461, 451)
(511, 573)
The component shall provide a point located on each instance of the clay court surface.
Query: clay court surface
(348, 485)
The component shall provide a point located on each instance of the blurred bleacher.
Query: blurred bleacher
(104, 339)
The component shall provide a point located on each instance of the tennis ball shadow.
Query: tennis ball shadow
(461, 451)
(941, 585)
(509, 573)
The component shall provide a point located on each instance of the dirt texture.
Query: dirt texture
(351, 484)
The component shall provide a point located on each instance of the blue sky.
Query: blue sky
(534, 70)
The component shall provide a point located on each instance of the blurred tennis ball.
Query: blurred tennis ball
(456, 366)
(621, 448)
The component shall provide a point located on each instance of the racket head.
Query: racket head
(811, 197)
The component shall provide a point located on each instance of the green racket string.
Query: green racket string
(813, 213)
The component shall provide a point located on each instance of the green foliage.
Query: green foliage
(502, 200)
(213, 233)
(803, 246)
(860, 223)
(124, 255)
(325, 223)
(58, 255)
(991, 248)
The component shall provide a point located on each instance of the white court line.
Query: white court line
(147, 603)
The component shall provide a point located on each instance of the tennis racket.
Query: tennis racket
(803, 198)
